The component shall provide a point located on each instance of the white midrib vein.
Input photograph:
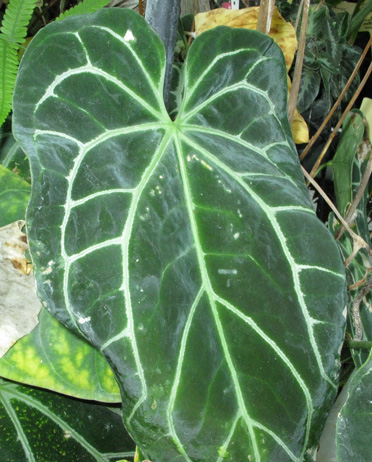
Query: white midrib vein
(229, 89)
(90, 69)
(173, 394)
(208, 290)
(210, 67)
(126, 236)
(157, 91)
(69, 203)
(123, 240)
(237, 140)
(293, 265)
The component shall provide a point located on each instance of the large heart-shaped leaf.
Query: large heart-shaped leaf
(188, 252)
(44, 427)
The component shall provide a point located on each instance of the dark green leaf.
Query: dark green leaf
(190, 249)
(40, 426)
(309, 89)
(354, 438)
(11, 154)
(358, 18)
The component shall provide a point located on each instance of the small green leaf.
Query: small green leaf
(14, 197)
(344, 159)
(40, 426)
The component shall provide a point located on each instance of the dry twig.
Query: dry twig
(359, 195)
(358, 242)
(337, 103)
(340, 122)
(265, 16)
(292, 101)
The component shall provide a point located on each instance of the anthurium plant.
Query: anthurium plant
(186, 251)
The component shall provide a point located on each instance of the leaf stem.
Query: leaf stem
(265, 16)
(359, 344)
(162, 16)
(355, 310)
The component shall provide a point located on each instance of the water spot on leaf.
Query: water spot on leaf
(83, 320)
(227, 271)
(129, 37)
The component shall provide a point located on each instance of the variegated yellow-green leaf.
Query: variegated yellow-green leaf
(54, 358)
(14, 195)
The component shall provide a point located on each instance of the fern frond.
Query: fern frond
(8, 73)
(13, 32)
(86, 6)
(16, 19)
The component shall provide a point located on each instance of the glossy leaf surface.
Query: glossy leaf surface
(43, 426)
(354, 440)
(188, 252)
(54, 358)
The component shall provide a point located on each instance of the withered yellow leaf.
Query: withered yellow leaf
(282, 32)
(19, 304)
(300, 130)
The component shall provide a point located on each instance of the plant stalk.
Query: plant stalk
(293, 95)
(360, 193)
(162, 16)
(265, 16)
(363, 344)
(358, 242)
